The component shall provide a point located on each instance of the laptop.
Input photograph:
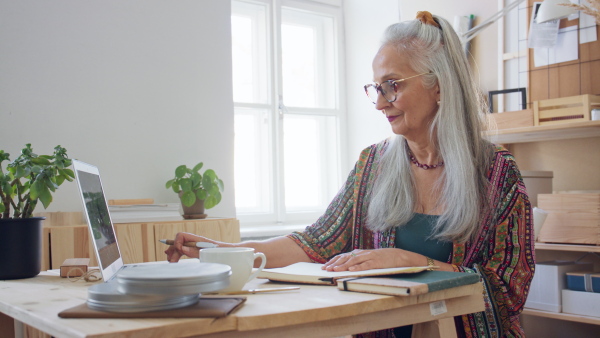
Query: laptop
(102, 231)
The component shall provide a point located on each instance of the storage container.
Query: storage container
(581, 303)
(548, 281)
(513, 119)
(572, 218)
(565, 109)
(586, 281)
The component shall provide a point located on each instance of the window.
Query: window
(286, 91)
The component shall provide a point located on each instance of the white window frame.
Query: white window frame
(280, 217)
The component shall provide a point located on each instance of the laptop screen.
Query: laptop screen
(98, 218)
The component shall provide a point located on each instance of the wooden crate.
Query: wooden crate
(513, 119)
(564, 109)
(572, 218)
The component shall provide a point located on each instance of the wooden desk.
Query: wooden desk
(312, 311)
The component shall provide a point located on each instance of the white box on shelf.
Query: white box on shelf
(581, 303)
(548, 282)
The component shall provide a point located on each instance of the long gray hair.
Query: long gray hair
(456, 131)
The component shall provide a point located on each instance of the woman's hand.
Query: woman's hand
(177, 250)
(358, 260)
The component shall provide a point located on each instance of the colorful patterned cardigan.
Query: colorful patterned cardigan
(502, 254)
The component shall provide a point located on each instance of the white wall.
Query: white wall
(134, 87)
(365, 22)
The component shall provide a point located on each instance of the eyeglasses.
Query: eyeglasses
(388, 89)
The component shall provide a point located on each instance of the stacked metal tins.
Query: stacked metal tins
(155, 287)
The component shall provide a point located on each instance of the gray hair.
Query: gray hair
(456, 131)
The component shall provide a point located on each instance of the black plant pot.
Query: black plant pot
(21, 249)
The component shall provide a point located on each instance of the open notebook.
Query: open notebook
(311, 273)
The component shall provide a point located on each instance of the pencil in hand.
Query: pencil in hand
(200, 245)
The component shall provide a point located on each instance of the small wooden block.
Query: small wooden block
(74, 267)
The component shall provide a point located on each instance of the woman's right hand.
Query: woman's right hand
(177, 250)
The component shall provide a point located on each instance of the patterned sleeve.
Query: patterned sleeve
(504, 255)
(331, 234)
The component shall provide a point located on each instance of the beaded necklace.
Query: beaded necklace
(413, 159)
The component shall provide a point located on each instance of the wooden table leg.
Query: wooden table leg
(435, 329)
(7, 326)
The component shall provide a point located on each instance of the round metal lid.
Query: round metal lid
(150, 288)
(106, 297)
(176, 273)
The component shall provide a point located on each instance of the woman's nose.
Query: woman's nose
(381, 102)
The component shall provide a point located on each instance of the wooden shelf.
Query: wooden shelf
(567, 247)
(546, 132)
(563, 316)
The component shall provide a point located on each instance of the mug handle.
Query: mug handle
(263, 258)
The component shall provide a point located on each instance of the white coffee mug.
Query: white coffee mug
(241, 260)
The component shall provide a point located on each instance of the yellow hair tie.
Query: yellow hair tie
(426, 18)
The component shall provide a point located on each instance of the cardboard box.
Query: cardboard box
(565, 109)
(548, 282)
(581, 303)
(586, 281)
(572, 218)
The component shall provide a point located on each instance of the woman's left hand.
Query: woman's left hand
(358, 260)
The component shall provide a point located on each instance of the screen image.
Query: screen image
(97, 212)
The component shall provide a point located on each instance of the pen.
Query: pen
(190, 244)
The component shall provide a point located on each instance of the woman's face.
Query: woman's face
(415, 106)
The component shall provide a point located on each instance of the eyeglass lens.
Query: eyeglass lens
(386, 89)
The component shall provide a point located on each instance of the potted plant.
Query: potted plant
(27, 180)
(196, 191)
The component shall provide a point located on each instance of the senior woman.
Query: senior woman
(436, 193)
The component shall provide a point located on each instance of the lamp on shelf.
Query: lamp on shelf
(552, 10)
(473, 32)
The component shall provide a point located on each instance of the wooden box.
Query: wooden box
(74, 267)
(565, 109)
(572, 218)
(512, 119)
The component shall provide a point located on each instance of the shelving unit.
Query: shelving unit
(559, 315)
(567, 247)
(563, 131)
(546, 132)
(563, 316)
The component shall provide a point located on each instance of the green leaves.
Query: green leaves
(180, 171)
(42, 160)
(197, 167)
(201, 194)
(193, 185)
(45, 197)
(188, 198)
(31, 178)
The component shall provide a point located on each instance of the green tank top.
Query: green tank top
(414, 237)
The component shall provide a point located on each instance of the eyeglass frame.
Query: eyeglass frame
(392, 83)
